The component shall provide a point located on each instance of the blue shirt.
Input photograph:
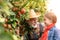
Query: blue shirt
(53, 34)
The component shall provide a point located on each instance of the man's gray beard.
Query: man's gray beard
(35, 25)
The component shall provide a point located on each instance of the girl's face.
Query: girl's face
(47, 21)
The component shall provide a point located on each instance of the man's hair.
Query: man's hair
(51, 16)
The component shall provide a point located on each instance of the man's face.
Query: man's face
(32, 21)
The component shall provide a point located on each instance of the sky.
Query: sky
(55, 6)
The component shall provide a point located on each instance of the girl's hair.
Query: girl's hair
(51, 16)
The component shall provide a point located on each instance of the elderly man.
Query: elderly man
(33, 21)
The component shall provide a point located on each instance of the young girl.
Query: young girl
(50, 32)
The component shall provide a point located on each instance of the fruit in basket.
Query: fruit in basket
(5, 25)
(9, 26)
(22, 11)
(6, 20)
(14, 9)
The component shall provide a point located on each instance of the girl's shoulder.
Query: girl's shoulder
(53, 28)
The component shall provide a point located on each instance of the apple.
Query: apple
(9, 26)
(6, 20)
(23, 11)
(14, 8)
(5, 25)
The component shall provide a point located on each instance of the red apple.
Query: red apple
(23, 11)
(19, 12)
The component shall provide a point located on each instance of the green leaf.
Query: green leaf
(6, 36)
(14, 37)
(14, 25)
(2, 20)
(1, 28)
